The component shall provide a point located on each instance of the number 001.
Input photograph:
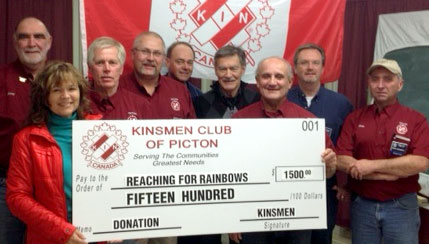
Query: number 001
(310, 125)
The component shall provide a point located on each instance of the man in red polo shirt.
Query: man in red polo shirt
(106, 58)
(32, 42)
(168, 98)
(180, 64)
(383, 147)
(274, 79)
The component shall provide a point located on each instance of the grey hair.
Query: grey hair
(231, 50)
(148, 33)
(15, 34)
(105, 42)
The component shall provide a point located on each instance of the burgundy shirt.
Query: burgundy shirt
(121, 105)
(170, 99)
(14, 107)
(395, 131)
(286, 110)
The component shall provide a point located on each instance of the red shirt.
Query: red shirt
(14, 107)
(170, 99)
(286, 110)
(369, 134)
(121, 105)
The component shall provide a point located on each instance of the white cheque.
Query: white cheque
(153, 178)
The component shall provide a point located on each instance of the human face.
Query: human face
(148, 56)
(32, 42)
(106, 69)
(309, 66)
(384, 86)
(273, 81)
(63, 98)
(229, 71)
(180, 63)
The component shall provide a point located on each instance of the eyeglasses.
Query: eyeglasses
(146, 52)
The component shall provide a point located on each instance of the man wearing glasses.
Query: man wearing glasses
(168, 98)
(309, 62)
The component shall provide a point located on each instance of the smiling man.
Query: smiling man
(228, 93)
(274, 79)
(168, 98)
(32, 42)
(309, 62)
(106, 58)
(383, 147)
(180, 64)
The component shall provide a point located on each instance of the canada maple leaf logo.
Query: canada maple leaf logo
(184, 37)
(177, 6)
(262, 29)
(254, 45)
(267, 12)
(178, 24)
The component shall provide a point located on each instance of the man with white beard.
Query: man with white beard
(32, 42)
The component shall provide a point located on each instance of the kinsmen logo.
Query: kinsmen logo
(104, 147)
(221, 22)
(132, 116)
(402, 128)
(175, 104)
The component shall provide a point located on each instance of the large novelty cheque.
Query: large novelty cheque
(153, 178)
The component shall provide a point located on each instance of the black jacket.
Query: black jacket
(213, 103)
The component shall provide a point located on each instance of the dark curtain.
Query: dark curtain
(360, 27)
(57, 16)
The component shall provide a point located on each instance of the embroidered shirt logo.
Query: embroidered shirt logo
(175, 104)
(132, 116)
(402, 128)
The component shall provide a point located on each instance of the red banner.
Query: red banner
(321, 22)
(261, 27)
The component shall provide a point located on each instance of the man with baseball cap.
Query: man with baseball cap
(383, 147)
